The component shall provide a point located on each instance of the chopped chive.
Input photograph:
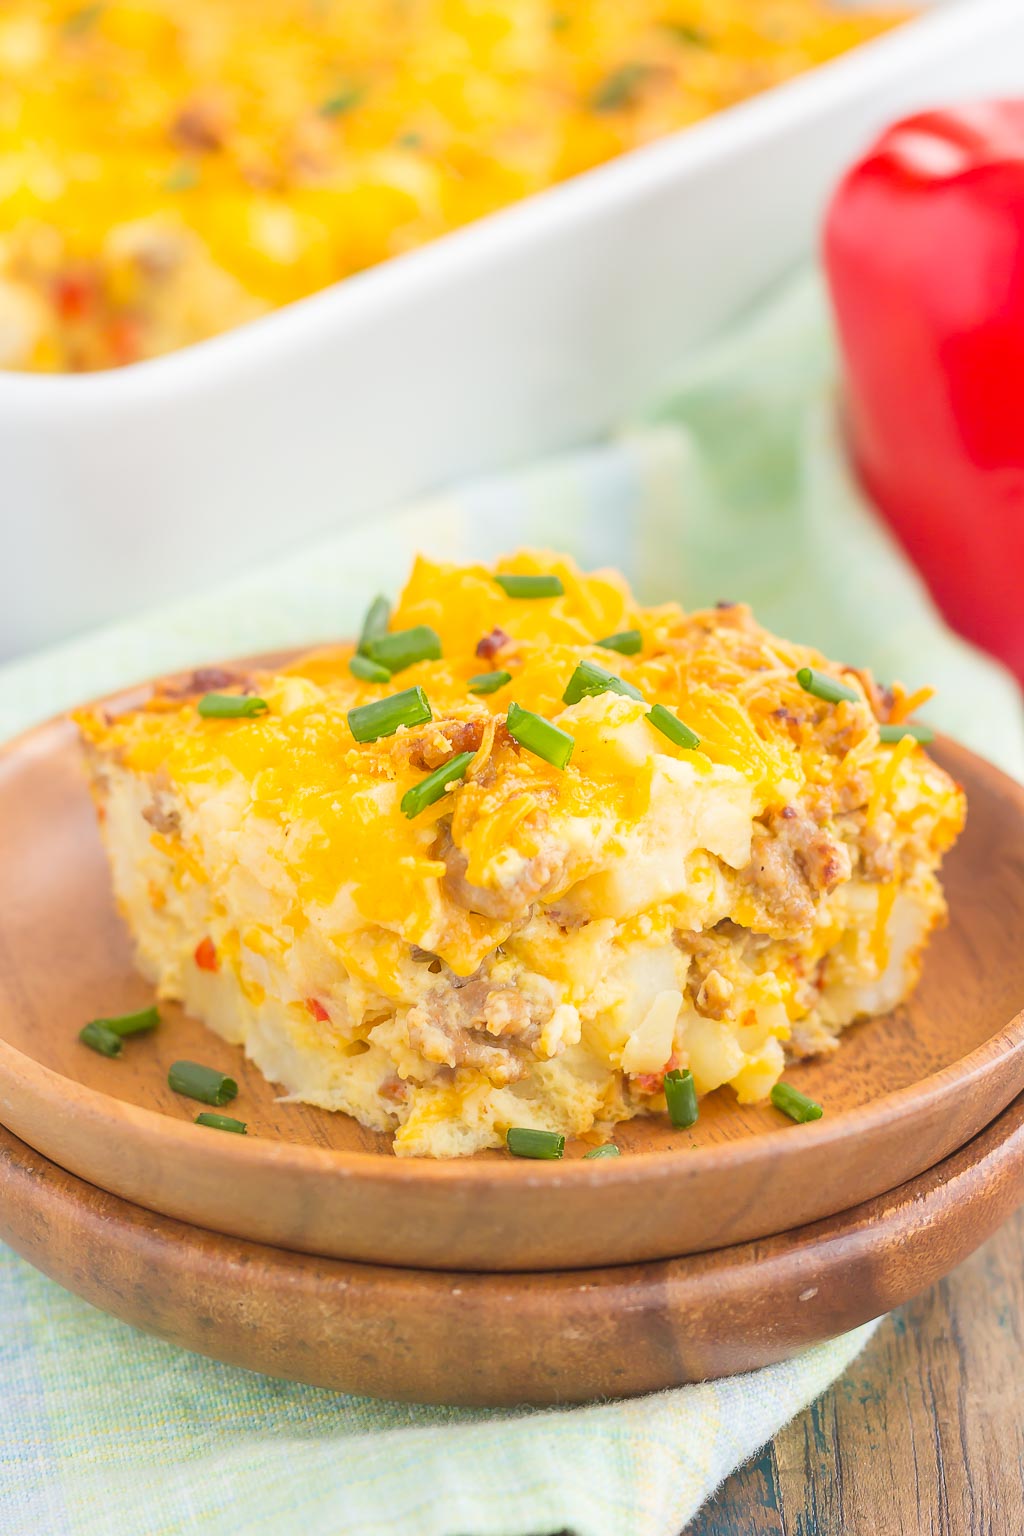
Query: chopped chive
(539, 736)
(687, 33)
(665, 721)
(368, 671)
(589, 679)
(400, 649)
(82, 20)
(523, 1142)
(825, 687)
(343, 100)
(434, 785)
(621, 88)
(681, 1097)
(795, 1104)
(203, 1083)
(231, 706)
(181, 178)
(124, 1024)
(891, 733)
(222, 1123)
(368, 722)
(608, 1150)
(99, 1038)
(628, 642)
(489, 682)
(375, 624)
(530, 586)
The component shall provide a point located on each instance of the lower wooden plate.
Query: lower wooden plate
(548, 1337)
(900, 1094)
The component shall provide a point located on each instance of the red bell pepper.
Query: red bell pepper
(924, 249)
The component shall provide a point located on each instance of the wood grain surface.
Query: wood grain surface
(566, 1336)
(923, 1436)
(900, 1094)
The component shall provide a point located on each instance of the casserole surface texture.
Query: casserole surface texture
(172, 168)
(537, 945)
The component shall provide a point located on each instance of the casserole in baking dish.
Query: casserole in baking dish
(172, 168)
(521, 333)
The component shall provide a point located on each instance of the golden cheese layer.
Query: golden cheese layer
(171, 168)
(541, 944)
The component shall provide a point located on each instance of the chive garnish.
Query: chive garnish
(620, 89)
(99, 1038)
(681, 1098)
(608, 1150)
(222, 1123)
(138, 1023)
(893, 733)
(81, 20)
(434, 785)
(343, 100)
(523, 1142)
(628, 642)
(824, 687)
(368, 722)
(795, 1104)
(403, 647)
(231, 706)
(589, 679)
(698, 37)
(368, 671)
(375, 623)
(489, 682)
(203, 1083)
(539, 736)
(665, 721)
(530, 586)
(181, 178)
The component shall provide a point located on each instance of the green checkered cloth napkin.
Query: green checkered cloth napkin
(734, 487)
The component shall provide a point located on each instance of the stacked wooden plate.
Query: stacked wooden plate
(307, 1250)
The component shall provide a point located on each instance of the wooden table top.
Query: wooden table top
(923, 1436)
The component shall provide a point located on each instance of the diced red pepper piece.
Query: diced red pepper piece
(924, 247)
(206, 955)
(651, 1082)
(318, 1010)
(124, 337)
(74, 294)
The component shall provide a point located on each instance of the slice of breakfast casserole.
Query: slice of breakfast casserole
(527, 849)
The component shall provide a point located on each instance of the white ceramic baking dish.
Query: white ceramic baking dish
(532, 330)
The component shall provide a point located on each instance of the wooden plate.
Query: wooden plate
(473, 1338)
(900, 1094)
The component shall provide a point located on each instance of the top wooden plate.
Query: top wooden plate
(900, 1094)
